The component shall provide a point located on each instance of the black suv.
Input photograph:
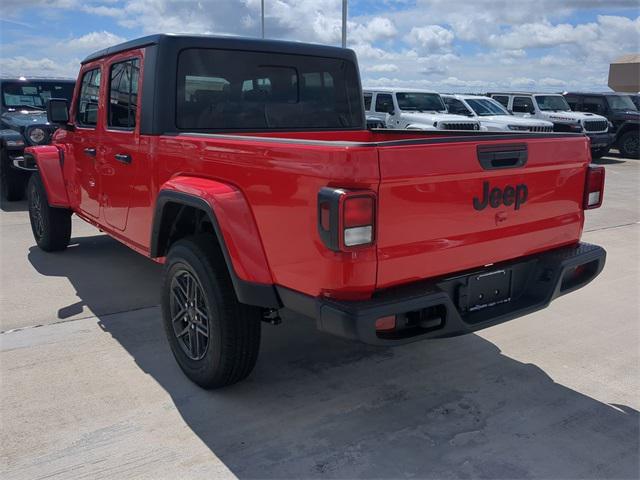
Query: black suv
(620, 110)
(23, 122)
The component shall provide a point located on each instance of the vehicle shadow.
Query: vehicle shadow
(19, 206)
(320, 407)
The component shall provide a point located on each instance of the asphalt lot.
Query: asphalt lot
(89, 390)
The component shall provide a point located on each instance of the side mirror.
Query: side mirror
(392, 112)
(58, 111)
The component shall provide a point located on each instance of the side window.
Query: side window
(123, 94)
(503, 99)
(456, 107)
(87, 114)
(384, 103)
(523, 105)
(367, 101)
(594, 105)
(573, 102)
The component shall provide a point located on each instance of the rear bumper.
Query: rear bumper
(535, 281)
(601, 140)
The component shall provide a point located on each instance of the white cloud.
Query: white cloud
(432, 38)
(20, 65)
(90, 42)
(421, 43)
(382, 67)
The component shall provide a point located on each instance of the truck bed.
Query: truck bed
(426, 183)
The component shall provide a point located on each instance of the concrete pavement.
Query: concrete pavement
(95, 393)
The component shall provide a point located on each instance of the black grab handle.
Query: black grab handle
(493, 157)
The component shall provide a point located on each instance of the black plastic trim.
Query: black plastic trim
(250, 293)
(496, 157)
(536, 281)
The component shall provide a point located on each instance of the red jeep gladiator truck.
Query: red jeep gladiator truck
(245, 167)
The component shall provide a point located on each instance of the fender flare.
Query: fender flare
(50, 159)
(234, 226)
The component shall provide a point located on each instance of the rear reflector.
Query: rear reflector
(386, 323)
(594, 187)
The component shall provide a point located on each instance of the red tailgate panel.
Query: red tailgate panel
(428, 225)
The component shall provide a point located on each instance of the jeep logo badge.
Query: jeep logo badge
(515, 196)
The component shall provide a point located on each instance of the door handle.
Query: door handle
(90, 152)
(123, 158)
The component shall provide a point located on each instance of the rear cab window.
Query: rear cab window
(240, 90)
(88, 99)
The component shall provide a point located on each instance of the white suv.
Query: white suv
(554, 108)
(413, 109)
(493, 117)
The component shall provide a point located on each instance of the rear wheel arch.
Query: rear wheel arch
(179, 215)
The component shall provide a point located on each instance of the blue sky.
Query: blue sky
(444, 45)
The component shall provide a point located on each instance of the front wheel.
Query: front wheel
(51, 226)
(214, 338)
(629, 145)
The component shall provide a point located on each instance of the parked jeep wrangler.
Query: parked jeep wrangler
(245, 167)
(23, 122)
(554, 108)
(620, 110)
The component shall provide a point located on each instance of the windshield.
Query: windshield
(34, 94)
(485, 108)
(420, 101)
(620, 102)
(552, 102)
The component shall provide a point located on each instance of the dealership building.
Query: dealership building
(624, 73)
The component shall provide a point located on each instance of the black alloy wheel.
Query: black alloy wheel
(189, 314)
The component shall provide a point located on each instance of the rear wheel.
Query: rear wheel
(214, 338)
(13, 182)
(51, 226)
(629, 145)
(597, 153)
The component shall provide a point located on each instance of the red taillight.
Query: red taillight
(346, 218)
(594, 187)
(358, 211)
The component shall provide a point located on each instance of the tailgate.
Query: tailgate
(448, 207)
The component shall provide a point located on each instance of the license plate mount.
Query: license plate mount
(489, 289)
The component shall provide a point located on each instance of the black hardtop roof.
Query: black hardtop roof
(227, 42)
(523, 93)
(598, 93)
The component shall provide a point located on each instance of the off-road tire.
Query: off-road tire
(233, 328)
(51, 226)
(629, 144)
(597, 153)
(13, 182)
